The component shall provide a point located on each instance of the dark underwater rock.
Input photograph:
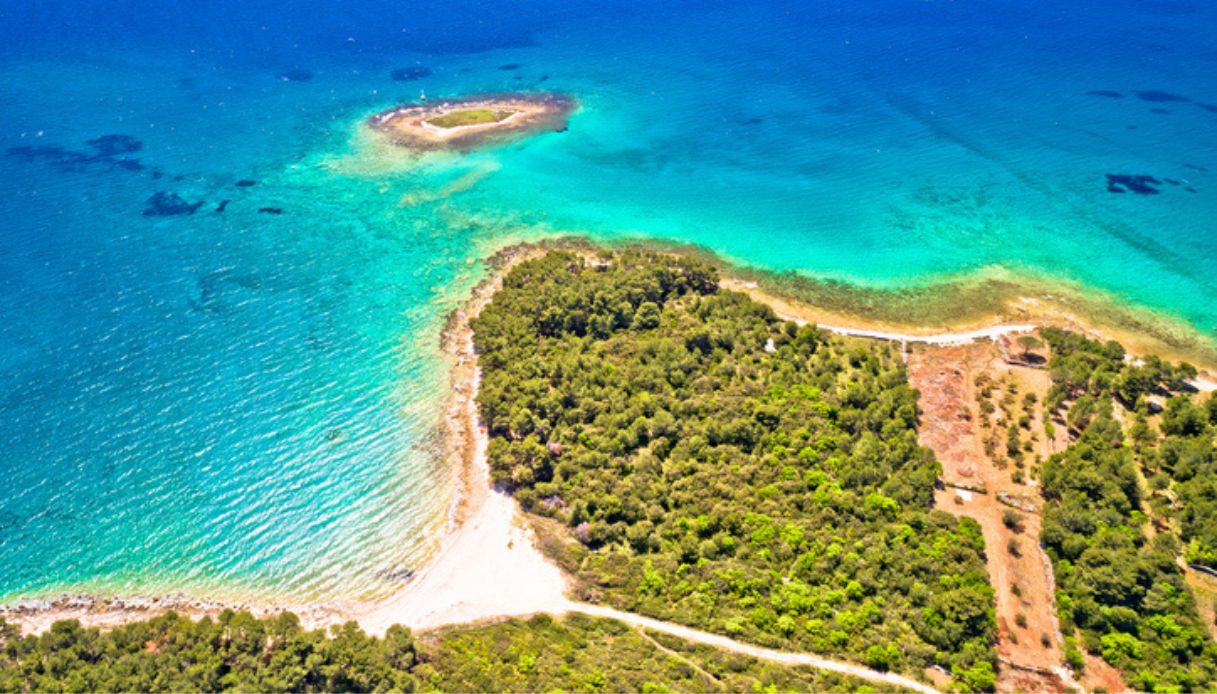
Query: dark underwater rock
(1159, 96)
(127, 164)
(167, 204)
(400, 574)
(223, 205)
(297, 75)
(105, 155)
(246, 183)
(409, 74)
(509, 67)
(270, 210)
(114, 145)
(58, 157)
(1106, 93)
(1141, 184)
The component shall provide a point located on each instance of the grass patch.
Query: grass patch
(472, 116)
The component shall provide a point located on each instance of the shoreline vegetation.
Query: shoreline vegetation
(1012, 309)
(981, 300)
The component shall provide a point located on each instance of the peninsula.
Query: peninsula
(658, 465)
(472, 122)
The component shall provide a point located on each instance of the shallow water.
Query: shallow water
(243, 401)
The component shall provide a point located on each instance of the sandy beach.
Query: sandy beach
(487, 567)
(490, 567)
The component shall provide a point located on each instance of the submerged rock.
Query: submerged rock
(409, 74)
(113, 145)
(58, 157)
(400, 574)
(271, 210)
(297, 75)
(167, 204)
(246, 183)
(1158, 96)
(1141, 184)
(127, 164)
(509, 67)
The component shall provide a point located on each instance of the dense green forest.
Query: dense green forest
(238, 652)
(234, 652)
(726, 469)
(1119, 579)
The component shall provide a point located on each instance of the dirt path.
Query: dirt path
(954, 338)
(953, 426)
(780, 657)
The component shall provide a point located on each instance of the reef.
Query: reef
(471, 122)
(246, 183)
(271, 210)
(223, 205)
(167, 204)
(410, 74)
(1141, 184)
(509, 67)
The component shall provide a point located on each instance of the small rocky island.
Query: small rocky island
(471, 122)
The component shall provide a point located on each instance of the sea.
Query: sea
(221, 296)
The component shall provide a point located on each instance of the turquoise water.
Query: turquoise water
(245, 402)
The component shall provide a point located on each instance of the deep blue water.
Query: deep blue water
(245, 401)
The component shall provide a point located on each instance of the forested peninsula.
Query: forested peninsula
(726, 469)
(686, 454)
